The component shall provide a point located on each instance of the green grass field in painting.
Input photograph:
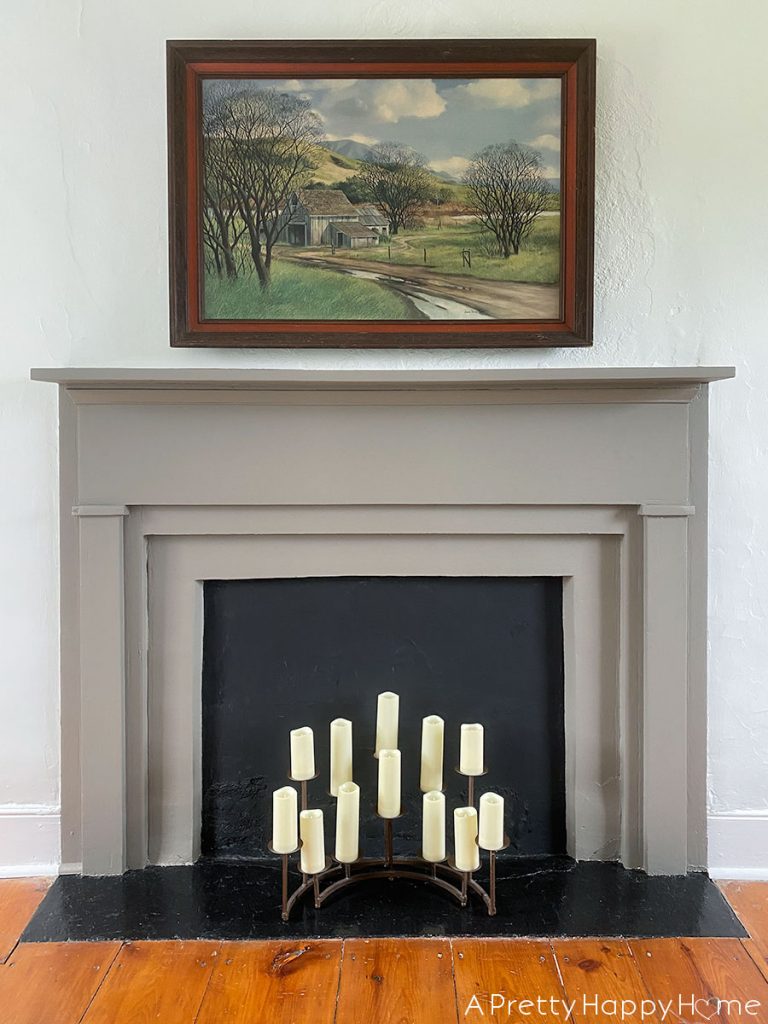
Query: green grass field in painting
(537, 262)
(302, 293)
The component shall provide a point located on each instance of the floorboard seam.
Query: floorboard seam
(338, 983)
(453, 977)
(4, 960)
(98, 988)
(636, 967)
(688, 954)
(217, 959)
(755, 954)
(560, 977)
(635, 956)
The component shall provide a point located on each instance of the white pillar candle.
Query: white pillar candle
(302, 754)
(491, 821)
(285, 822)
(465, 839)
(312, 842)
(341, 753)
(387, 715)
(432, 732)
(389, 783)
(433, 825)
(472, 757)
(348, 823)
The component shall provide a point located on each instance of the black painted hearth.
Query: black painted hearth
(279, 654)
(224, 900)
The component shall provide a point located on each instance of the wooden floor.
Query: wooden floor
(383, 981)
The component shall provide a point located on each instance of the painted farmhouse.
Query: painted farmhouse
(324, 216)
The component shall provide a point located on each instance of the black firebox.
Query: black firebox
(283, 653)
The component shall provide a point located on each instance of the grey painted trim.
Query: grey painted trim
(452, 454)
(137, 648)
(698, 546)
(586, 394)
(70, 867)
(631, 641)
(100, 510)
(350, 520)
(377, 380)
(667, 511)
(665, 697)
(102, 702)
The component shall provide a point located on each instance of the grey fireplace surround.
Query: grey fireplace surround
(172, 477)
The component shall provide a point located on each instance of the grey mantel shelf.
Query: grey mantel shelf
(94, 378)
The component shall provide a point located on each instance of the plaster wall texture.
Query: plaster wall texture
(682, 246)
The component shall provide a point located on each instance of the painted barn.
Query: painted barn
(324, 216)
(373, 218)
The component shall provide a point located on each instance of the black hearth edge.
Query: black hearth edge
(547, 897)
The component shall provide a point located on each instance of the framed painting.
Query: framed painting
(422, 193)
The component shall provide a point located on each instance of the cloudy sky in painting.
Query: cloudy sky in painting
(448, 120)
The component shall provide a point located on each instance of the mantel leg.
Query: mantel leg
(665, 689)
(102, 688)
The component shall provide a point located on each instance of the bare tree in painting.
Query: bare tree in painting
(507, 190)
(395, 178)
(221, 226)
(263, 143)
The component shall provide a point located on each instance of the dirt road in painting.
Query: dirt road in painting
(448, 296)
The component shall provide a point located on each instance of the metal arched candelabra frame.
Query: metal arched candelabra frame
(337, 877)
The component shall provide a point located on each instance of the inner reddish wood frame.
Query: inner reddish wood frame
(565, 70)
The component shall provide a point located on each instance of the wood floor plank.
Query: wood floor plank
(709, 971)
(599, 975)
(670, 973)
(750, 901)
(273, 983)
(53, 982)
(397, 981)
(490, 973)
(155, 981)
(731, 973)
(757, 956)
(19, 898)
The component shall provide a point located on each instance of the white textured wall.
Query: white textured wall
(682, 251)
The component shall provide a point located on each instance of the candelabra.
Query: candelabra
(335, 876)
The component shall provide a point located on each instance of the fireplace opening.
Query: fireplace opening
(283, 653)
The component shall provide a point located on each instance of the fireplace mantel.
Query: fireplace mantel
(565, 378)
(169, 477)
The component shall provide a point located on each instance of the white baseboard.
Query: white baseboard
(738, 846)
(29, 840)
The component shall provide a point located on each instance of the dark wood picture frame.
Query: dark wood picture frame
(571, 60)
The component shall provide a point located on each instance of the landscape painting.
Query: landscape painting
(403, 201)
(381, 199)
